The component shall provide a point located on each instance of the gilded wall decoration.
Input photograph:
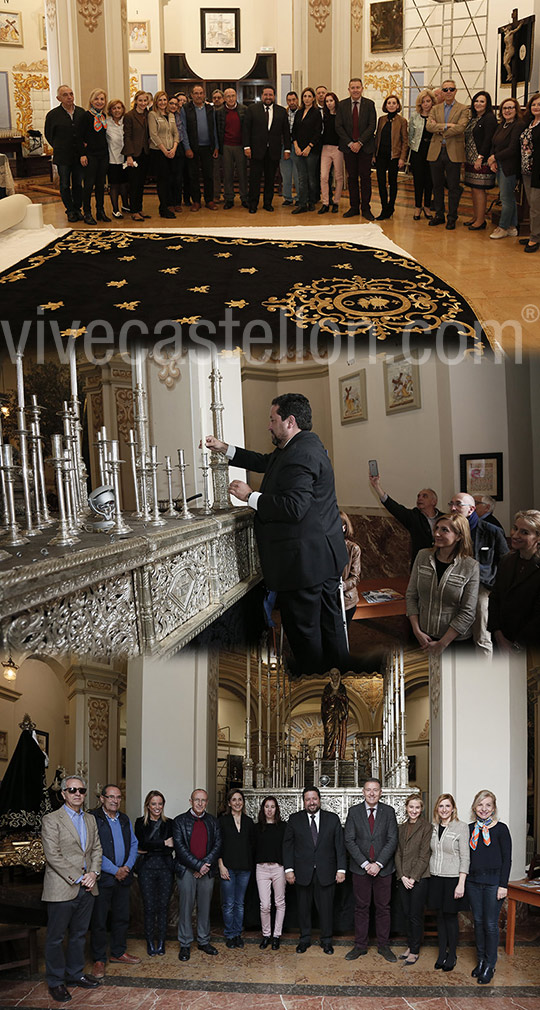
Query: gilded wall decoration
(320, 10)
(38, 66)
(168, 363)
(357, 12)
(98, 685)
(381, 66)
(424, 735)
(390, 85)
(124, 411)
(23, 84)
(133, 83)
(96, 400)
(435, 684)
(370, 690)
(50, 11)
(98, 721)
(91, 11)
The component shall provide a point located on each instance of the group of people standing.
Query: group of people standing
(313, 141)
(91, 859)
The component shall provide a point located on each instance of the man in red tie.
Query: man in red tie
(371, 837)
(356, 121)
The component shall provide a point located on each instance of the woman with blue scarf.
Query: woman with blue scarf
(95, 156)
(487, 883)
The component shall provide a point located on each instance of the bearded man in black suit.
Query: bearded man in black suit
(265, 132)
(315, 860)
(299, 533)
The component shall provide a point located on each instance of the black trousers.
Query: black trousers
(111, 903)
(423, 186)
(156, 880)
(358, 167)
(71, 185)
(163, 168)
(448, 932)
(71, 919)
(136, 179)
(177, 178)
(202, 159)
(94, 178)
(259, 167)
(313, 623)
(413, 903)
(387, 167)
(323, 897)
(446, 172)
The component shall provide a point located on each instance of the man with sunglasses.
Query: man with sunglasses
(72, 866)
(447, 123)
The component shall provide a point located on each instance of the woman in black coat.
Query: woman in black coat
(505, 159)
(487, 882)
(514, 602)
(478, 175)
(95, 156)
(136, 152)
(235, 865)
(306, 137)
(155, 868)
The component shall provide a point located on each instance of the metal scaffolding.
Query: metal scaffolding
(444, 39)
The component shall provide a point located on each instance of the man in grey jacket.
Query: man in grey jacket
(371, 837)
(197, 845)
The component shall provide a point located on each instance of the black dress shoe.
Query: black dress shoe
(327, 948)
(449, 965)
(451, 225)
(324, 209)
(72, 216)
(368, 215)
(207, 948)
(167, 213)
(335, 208)
(252, 210)
(230, 942)
(84, 982)
(383, 216)
(101, 216)
(59, 993)
(88, 219)
(275, 943)
(478, 970)
(355, 952)
(477, 227)
(184, 954)
(351, 213)
(79, 213)
(434, 221)
(265, 942)
(439, 963)
(302, 947)
(268, 207)
(387, 953)
(238, 941)
(532, 248)
(287, 203)
(486, 975)
(524, 241)
(228, 204)
(160, 947)
(150, 949)
(300, 210)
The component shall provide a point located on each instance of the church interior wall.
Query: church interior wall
(232, 715)
(417, 740)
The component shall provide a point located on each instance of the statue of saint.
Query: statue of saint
(334, 715)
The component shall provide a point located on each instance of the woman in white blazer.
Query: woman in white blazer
(448, 866)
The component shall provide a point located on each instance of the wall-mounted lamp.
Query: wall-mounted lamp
(10, 669)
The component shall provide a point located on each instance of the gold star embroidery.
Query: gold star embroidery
(203, 290)
(169, 270)
(126, 259)
(187, 319)
(240, 304)
(248, 270)
(222, 256)
(51, 305)
(116, 284)
(73, 333)
(343, 266)
(130, 306)
(174, 247)
(294, 257)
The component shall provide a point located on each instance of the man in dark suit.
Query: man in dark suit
(299, 533)
(202, 147)
(314, 859)
(112, 904)
(356, 121)
(72, 864)
(419, 521)
(62, 130)
(371, 838)
(265, 131)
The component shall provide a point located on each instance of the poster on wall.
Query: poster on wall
(11, 28)
(139, 36)
(386, 25)
(220, 30)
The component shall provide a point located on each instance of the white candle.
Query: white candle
(181, 458)
(56, 442)
(153, 453)
(20, 380)
(7, 455)
(73, 369)
(203, 426)
(114, 450)
(205, 458)
(167, 462)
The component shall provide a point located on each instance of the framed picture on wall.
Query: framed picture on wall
(352, 397)
(42, 22)
(3, 745)
(11, 28)
(220, 30)
(139, 36)
(482, 473)
(43, 740)
(401, 385)
(386, 26)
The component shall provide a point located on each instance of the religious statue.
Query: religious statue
(516, 51)
(334, 715)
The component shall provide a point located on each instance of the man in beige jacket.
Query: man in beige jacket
(73, 860)
(447, 123)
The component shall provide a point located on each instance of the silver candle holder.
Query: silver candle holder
(206, 507)
(132, 445)
(171, 512)
(156, 519)
(35, 425)
(185, 513)
(23, 448)
(65, 535)
(14, 535)
(120, 527)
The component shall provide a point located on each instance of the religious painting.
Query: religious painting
(3, 745)
(401, 385)
(220, 30)
(386, 26)
(11, 28)
(516, 46)
(42, 738)
(352, 397)
(139, 36)
(482, 473)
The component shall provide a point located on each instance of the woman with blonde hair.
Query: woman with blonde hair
(490, 847)
(163, 143)
(136, 152)
(412, 873)
(155, 869)
(419, 141)
(514, 602)
(443, 587)
(118, 186)
(95, 156)
(448, 866)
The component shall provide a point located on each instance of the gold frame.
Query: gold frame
(3, 19)
(141, 48)
(409, 397)
(357, 409)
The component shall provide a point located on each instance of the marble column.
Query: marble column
(93, 743)
(171, 729)
(478, 738)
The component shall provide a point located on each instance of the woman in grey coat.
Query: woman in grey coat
(448, 866)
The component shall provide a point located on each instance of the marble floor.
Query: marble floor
(250, 978)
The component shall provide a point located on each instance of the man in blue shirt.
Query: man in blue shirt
(119, 854)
